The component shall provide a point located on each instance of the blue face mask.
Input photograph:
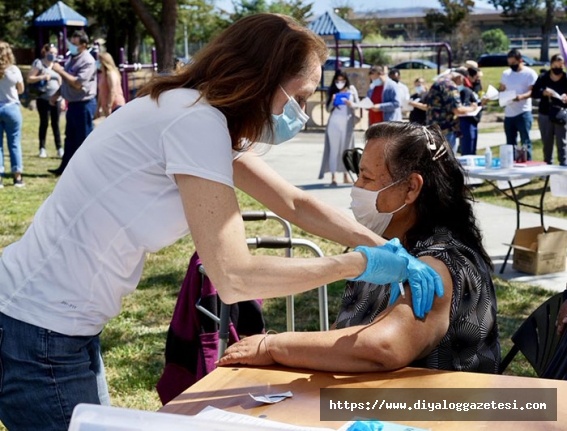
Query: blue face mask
(377, 82)
(50, 57)
(288, 123)
(73, 49)
(460, 87)
(97, 62)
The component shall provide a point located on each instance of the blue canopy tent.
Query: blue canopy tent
(59, 16)
(330, 24)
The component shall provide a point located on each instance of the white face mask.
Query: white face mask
(363, 205)
(340, 84)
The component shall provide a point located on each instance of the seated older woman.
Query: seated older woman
(410, 187)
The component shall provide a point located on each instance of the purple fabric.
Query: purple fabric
(192, 341)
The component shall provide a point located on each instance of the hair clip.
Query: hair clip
(439, 152)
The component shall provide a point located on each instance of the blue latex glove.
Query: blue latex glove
(383, 266)
(423, 280)
(372, 425)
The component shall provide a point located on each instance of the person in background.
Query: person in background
(165, 165)
(375, 95)
(391, 101)
(110, 95)
(394, 75)
(552, 82)
(11, 85)
(42, 71)
(444, 105)
(339, 134)
(518, 116)
(419, 112)
(407, 173)
(468, 125)
(79, 90)
(475, 76)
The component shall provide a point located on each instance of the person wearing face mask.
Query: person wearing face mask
(110, 95)
(42, 71)
(551, 128)
(418, 114)
(444, 105)
(165, 165)
(468, 125)
(518, 113)
(339, 134)
(79, 90)
(410, 187)
(389, 101)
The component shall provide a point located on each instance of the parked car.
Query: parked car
(331, 63)
(501, 60)
(416, 64)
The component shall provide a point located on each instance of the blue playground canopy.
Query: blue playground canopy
(60, 15)
(330, 24)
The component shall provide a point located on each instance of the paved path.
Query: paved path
(299, 161)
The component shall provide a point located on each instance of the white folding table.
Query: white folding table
(510, 175)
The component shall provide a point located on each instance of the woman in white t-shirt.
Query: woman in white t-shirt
(164, 165)
(11, 85)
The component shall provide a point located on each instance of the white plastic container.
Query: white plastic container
(488, 158)
(506, 156)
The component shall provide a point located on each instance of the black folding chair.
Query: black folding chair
(537, 339)
(351, 160)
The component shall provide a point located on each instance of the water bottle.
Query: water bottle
(488, 158)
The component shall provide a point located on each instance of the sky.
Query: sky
(321, 6)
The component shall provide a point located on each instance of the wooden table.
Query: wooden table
(492, 176)
(228, 388)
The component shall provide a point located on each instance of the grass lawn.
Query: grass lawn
(133, 343)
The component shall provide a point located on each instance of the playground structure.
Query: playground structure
(59, 16)
(131, 78)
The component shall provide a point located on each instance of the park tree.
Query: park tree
(495, 40)
(538, 13)
(301, 10)
(161, 22)
(449, 17)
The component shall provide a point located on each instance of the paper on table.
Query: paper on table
(473, 113)
(505, 97)
(491, 93)
(365, 103)
(251, 422)
(271, 398)
(553, 93)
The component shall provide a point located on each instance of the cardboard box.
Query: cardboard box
(539, 252)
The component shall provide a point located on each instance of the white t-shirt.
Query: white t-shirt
(117, 200)
(520, 82)
(8, 90)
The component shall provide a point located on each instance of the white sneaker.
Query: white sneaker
(60, 152)
(42, 153)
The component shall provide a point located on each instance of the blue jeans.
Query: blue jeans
(521, 124)
(451, 138)
(469, 135)
(79, 117)
(44, 375)
(11, 123)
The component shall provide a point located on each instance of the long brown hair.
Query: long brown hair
(107, 62)
(240, 71)
(6, 57)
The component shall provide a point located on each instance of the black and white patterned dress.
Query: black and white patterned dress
(471, 342)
